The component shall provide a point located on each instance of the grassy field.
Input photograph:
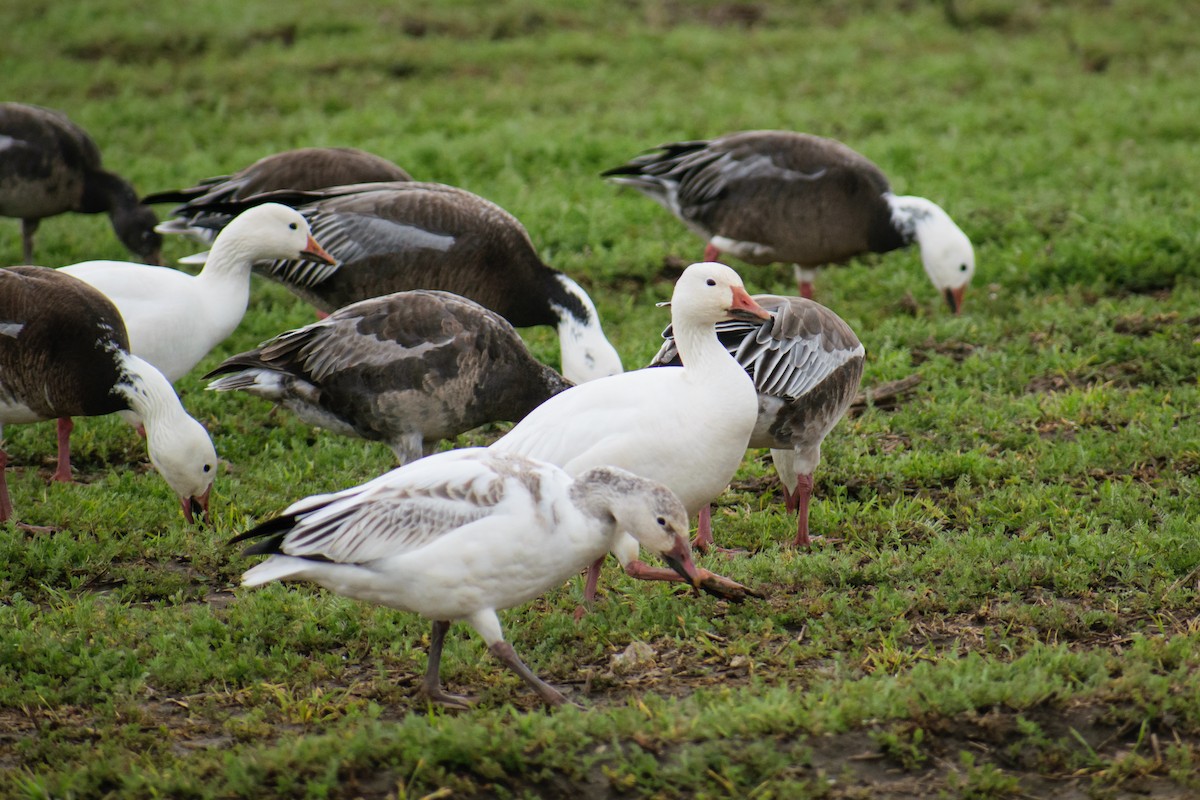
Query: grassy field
(1010, 608)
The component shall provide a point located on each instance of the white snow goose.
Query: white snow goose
(301, 169)
(49, 166)
(806, 364)
(393, 237)
(406, 369)
(686, 427)
(64, 352)
(463, 533)
(771, 196)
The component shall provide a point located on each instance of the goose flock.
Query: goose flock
(419, 288)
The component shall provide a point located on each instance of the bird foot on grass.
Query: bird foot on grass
(458, 702)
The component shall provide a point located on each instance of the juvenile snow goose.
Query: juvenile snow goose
(770, 196)
(686, 427)
(393, 237)
(461, 534)
(49, 166)
(806, 364)
(406, 369)
(302, 169)
(64, 352)
(174, 319)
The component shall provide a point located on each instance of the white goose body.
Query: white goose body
(461, 534)
(174, 319)
(685, 427)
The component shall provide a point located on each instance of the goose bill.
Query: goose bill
(197, 507)
(314, 252)
(954, 298)
(679, 558)
(744, 307)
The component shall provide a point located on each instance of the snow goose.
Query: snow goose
(302, 169)
(463, 533)
(768, 196)
(393, 237)
(174, 319)
(685, 427)
(64, 352)
(49, 166)
(406, 369)
(806, 364)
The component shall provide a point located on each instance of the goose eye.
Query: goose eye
(208, 467)
(711, 282)
(962, 268)
(662, 521)
(294, 226)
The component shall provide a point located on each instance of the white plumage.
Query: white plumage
(461, 534)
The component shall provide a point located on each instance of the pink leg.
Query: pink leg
(589, 587)
(790, 499)
(806, 289)
(804, 484)
(63, 472)
(714, 584)
(711, 253)
(704, 538)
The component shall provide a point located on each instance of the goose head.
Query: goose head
(648, 511)
(946, 252)
(184, 455)
(273, 231)
(134, 225)
(707, 293)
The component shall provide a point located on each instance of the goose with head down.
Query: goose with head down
(64, 352)
(406, 369)
(686, 427)
(394, 237)
(771, 196)
(806, 364)
(461, 534)
(49, 166)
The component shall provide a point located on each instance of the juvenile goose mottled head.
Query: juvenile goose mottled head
(648, 511)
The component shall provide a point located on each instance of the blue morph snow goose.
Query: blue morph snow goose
(686, 427)
(806, 363)
(64, 352)
(49, 166)
(406, 369)
(394, 237)
(301, 169)
(464, 533)
(771, 196)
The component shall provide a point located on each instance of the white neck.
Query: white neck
(701, 352)
(586, 351)
(149, 394)
(232, 254)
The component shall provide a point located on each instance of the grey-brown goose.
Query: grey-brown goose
(806, 363)
(406, 369)
(394, 237)
(64, 353)
(781, 196)
(301, 169)
(49, 166)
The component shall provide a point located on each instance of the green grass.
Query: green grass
(1010, 610)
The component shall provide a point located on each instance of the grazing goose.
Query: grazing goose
(174, 319)
(768, 196)
(406, 369)
(806, 364)
(461, 534)
(49, 166)
(301, 169)
(685, 427)
(64, 352)
(393, 237)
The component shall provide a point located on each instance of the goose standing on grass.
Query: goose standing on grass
(394, 237)
(302, 169)
(64, 352)
(770, 196)
(406, 369)
(806, 364)
(686, 427)
(49, 166)
(461, 534)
